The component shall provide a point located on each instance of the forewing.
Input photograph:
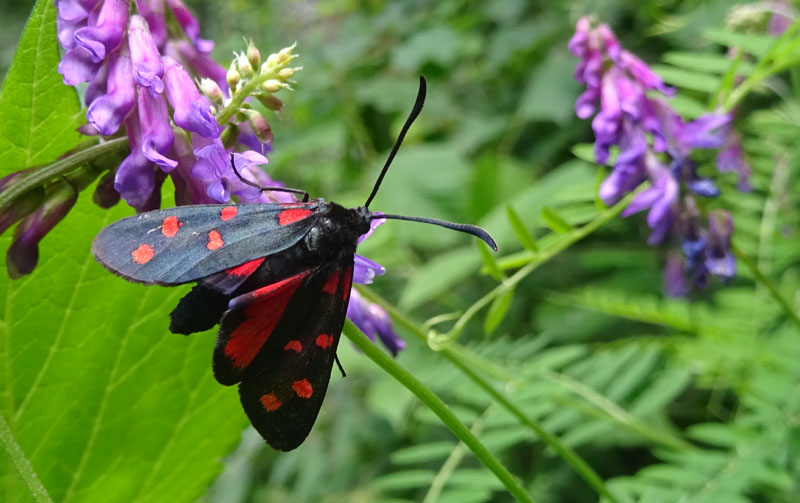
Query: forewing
(282, 386)
(186, 243)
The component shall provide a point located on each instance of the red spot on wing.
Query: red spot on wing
(170, 225)
(324, 341)
(348, 281)
(294, 345)
(270, 402)
(333, 281)
(303, 388)
(215, 241)
(262, 314)
(286, 217)
(229, 212)
(245, 269)
(143, 254)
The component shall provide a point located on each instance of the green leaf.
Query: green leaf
(103, 401)
(555, 221)
(38, 113)
(524, 236)
(686, 79)
(757, 45)
(551, 90)
(498, 311)
(706, 62)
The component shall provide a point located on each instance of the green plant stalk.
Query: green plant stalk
(766, 67)
(465, 361)
(242, 94)
(537, 260)
(767, 283)
(439, 408)
(21, 463)
(59, 168)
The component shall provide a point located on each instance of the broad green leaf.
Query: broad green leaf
(555, 221)
(551, 89)
(523, 234)
(105, 403)
(38, 113)
(497, 311)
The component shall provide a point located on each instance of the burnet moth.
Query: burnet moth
(275, 277)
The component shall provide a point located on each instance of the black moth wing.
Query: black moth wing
(186, 243)
(282, 387)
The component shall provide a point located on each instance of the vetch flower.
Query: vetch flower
(214, 167)
(23, 254)
(192, 111)
(719, 257)
(105, 33)
(373, 320)
(107, 112)
(655, 144)
(147, 68)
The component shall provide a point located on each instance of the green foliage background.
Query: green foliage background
(666, 400)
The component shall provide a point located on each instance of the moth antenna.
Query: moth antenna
(415, 110)
(339, 364)
(266, 189)
(467, 228)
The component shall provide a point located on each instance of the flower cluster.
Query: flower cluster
(150, 77)
(655, 144)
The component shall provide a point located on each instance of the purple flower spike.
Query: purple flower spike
(102, 36)
(373, 320)
(107, 112)
(157, 134)
(24, 251)
(135, 178)
(203, 64)
(75, 10)
(190, 26)
(147, 67)
(731, 158)
(674, 281)
(192, 111)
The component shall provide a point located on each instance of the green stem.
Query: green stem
(536, 260)
(764, 280)
(238, 98)
(21, 463)
(439, 408)
(466, 362)
(59, 168)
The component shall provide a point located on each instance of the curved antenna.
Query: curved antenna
(469, 229)
(410, 120)
(265, 189)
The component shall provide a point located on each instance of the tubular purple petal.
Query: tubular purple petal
(105, 34)
(190, 26)
(77, 66)
(157, 136)
(147, 67)
(107, 112)
(191, 110)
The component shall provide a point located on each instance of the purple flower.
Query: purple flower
(731, 159)
(23, 254)
(107, 112)
(373, 320)
(135, 178)
(719, 257)
(153, 12)
(147, 68)
(23, 205)
(214, 168)
(105, 33)
(192, 111)
(157, 134)
(674, 281)
(190, 26)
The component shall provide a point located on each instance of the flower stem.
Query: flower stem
(439, 408)
(21, 463)
(467, 362)
(770, 286)
(536, 260)
(59, 168)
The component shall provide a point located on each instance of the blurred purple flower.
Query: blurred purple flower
(373, 320)
(655, 144)
(674, 281)
(731, 159)
(719, 257)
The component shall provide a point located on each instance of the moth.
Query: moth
(276, 277)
